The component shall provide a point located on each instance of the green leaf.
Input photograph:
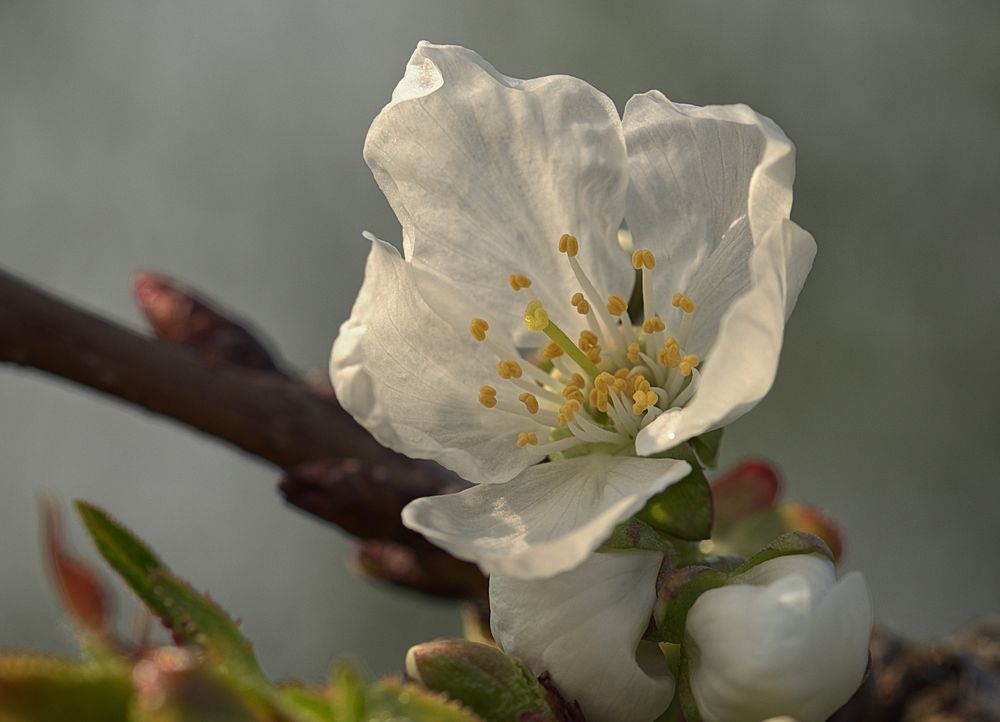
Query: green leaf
(494, 685)
(684, 509)
(197, 620)
(127, 555)
(193, 618)
(707, 446)
(636, 534)
(45, 689)
(391, 701)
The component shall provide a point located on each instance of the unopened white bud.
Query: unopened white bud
(784, 639)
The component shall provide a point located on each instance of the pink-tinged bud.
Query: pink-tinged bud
(751, 487)
(813, 520)
(80, 588)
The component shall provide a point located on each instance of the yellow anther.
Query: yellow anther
(572, 392)
(603, 380)
(643, 400)
(617, 305)
(622, 373)
(569, 245)
(653, 325)
(552, 350)
(594, 354)
(683, 303)
(640, 383)
(577, 380)
(687, 364)
(478, 328)
(530, 402)
(580, 303)
(518, 281)
(632, 352)
(620, 385)
(588, 339)
(670, 355)
(525, 438)
(599, 399)
(509, 369)
(643, 258)
(488, 396)
(567, 411)
(535, 316)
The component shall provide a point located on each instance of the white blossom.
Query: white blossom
(499, 338)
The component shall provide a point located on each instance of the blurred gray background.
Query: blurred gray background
(221, 142)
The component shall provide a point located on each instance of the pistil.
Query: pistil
(537, 319)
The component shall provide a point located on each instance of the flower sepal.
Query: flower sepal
(678, 588)
(707, 446)
(684, 509)
(635, 534)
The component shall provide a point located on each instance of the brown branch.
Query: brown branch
(208, 372)
(280, 420)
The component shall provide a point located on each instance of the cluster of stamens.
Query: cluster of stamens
(608, 384)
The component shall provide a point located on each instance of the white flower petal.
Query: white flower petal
(413, 381)
(788, 640)
(585, 628)
(546, 520)
(486, 172)
(711, 188)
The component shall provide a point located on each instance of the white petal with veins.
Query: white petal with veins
(412, 380)
(585, 627)
(548, 519)
(486, 172)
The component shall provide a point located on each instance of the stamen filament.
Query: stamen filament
(538, 391)
(543, 418)
(688, 391)
(651, 413)
(648, 294)
(554, 447)
(595, 302)
(624, 420)
(659, 372)
(645, 260)
(590, 431)
(527, 367)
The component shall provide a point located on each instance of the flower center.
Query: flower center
(603, 388)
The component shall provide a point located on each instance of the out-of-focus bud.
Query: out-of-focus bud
(490, 683)
(171, 685)
(80, 587)
(746, 489)
(178, 315)
(783, 638)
